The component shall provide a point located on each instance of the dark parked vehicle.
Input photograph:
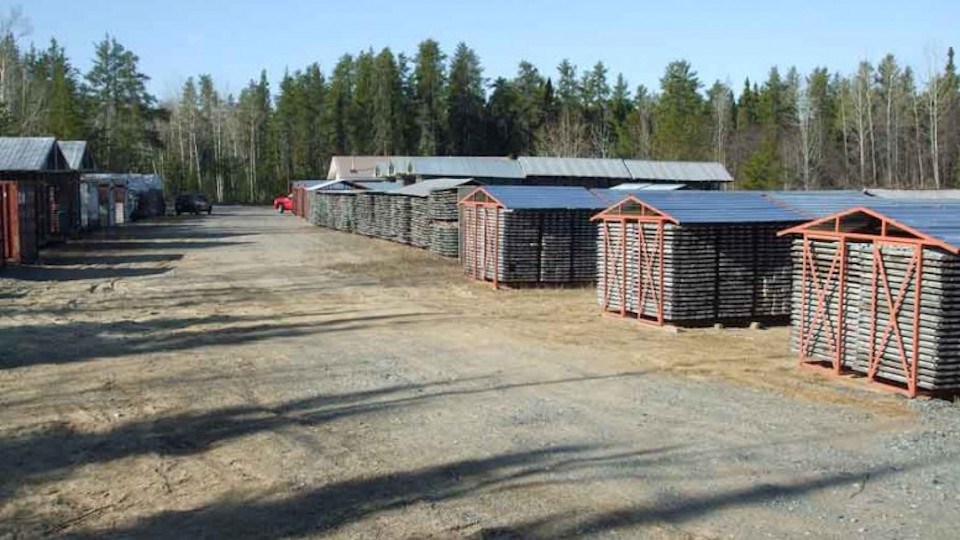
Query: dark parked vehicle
(195, 203)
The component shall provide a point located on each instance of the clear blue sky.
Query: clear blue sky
(233, 40)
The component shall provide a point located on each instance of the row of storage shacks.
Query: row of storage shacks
(868, 284)
(422, 215)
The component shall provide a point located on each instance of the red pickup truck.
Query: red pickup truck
(283, 203)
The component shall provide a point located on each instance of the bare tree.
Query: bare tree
(566, 136)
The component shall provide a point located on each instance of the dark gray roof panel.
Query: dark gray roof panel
(678, 171)
(546, 198)
(31, 154)
(717, 207)
(574, 167)
(818, 204)
(639, 186)
(426, 187)
(465, 167)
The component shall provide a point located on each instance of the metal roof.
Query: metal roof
(336, 185)
(817, 204)
(574, 167)
(306, 183)
(938, 220)
(546, 198)
(395, 165)
(464, 167)
(715, 207)
(352, 167)
(75, 152)
(31, 154)
(678, 171)
(426, 187)
(915, 194)
(379, 186)
(634, 186)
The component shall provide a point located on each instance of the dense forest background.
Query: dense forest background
(885, 125)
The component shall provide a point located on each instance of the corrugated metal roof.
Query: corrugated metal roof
(31, 154)
(574, 167)
(353, 167)
(396, 165)
(817, 204)
(306, 183)
(938, 220)
(546, 198)
(915, 194)
(465, 167)
(716, 207)
(379, 186)
(75, 152)
(678, 171)
(336, 185)
(634, 186)
(426, 187)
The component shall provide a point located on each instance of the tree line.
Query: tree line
(884, 125)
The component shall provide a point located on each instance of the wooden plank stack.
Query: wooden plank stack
(533, 246)
(710, 273)
(938, 332)
(420, 222)
(445, 238)
(399, 214)
(444, 218)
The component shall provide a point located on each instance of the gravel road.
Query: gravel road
(246, 375)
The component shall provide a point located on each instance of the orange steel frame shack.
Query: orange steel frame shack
(650, 285)
(862, 225)
(472, 204)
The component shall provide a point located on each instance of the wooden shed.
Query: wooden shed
(877, 292)
(694, 257)
(518, 235)
(40, 197)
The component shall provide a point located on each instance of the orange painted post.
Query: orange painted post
(496, 248)
(918, 253)
(606, 266)
(660, 299)
(476, 242)
(841, 309)
(874, 289)
(623, 272)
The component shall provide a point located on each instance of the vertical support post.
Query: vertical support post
(875, 258)
(641, 263)
(660, 300)
(802, 338)
(476, 242)
(606, 266)
(914, 373)
(496, 247)
(840, 349)
(623, 271)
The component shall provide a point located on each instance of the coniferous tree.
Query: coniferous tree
(120, 108)
(338, 106)
(388, 114)
(361, 107)
(465, 104)
(681, 116)
(430, 83)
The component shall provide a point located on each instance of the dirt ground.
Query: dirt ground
(246, 375)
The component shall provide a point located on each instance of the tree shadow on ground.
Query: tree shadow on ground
(67, 259)
(334, 506)
(565, 525)
(46, 343)
(53, 273)
(47, 455)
